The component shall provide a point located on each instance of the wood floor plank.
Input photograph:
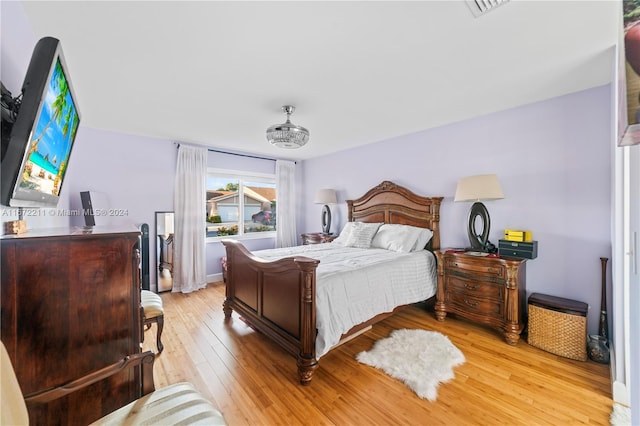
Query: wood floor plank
(253, 382)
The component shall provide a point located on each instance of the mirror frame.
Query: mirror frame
(158, 251)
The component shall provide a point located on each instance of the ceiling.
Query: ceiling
(217, 73)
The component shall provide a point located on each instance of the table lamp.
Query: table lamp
(479, 188)
(326, 197)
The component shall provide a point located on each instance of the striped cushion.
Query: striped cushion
(362, 234)
(151, 303)
(179, 404)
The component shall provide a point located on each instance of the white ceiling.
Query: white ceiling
(217, 73)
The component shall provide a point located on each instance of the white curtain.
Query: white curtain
(190, 273)
(286, 235)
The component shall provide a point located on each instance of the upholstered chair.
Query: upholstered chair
(180, 403)
(153, 312)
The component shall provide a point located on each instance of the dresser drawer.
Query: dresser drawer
(475, 268)
(475, 288)
(483, 307)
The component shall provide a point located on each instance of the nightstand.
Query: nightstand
(317, 238)
(487, 290)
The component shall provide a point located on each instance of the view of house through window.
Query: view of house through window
(240, 205)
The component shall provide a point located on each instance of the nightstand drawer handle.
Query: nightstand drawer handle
(493, 270)
(470, 286)
(472, 304)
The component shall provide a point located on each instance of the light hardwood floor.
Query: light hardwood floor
(253, 382)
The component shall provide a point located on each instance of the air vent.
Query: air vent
(480, 7)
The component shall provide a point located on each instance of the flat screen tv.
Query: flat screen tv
(36, 152)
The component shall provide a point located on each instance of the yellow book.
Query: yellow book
(513, 233)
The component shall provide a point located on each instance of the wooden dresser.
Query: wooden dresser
(71, 305)
(487, 290)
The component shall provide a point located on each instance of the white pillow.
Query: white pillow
(424, 236)
(401, 238)
(362, 234)
(395, 237)
(344, 235)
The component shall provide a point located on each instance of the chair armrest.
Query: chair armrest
(145, 359)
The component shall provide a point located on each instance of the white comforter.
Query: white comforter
(353, 285)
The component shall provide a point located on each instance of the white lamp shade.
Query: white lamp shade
(326, 196)
(478, 188)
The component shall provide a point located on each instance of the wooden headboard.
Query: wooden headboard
(391, 203)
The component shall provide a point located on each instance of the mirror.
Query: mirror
(164, 251)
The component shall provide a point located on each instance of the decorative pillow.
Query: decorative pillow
(344, 235)
(362, 234)
(401, 238)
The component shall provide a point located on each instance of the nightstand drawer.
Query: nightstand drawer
(475, 288)
(475, 305)
(475, 268)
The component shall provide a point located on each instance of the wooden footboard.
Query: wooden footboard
(276, 298)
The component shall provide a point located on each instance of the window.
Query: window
(240, 204)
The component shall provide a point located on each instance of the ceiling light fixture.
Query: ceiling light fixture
(480, 7)
(287, 135)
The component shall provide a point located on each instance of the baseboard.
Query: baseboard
(213, 278)
(621, 394)
(619, 391)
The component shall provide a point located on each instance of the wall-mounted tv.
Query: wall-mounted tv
(36, 152)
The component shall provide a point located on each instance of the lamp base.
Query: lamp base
(489, 248)
(326, 219)
(480, 241)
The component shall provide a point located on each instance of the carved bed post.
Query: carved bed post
(435, 223)
(226, 309)
(228, 291)
(307, 362)
(440, 310)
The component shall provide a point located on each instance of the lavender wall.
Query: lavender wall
(135, 173)
(553, 159)
(17, 43)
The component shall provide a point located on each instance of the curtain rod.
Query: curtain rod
(238, 154)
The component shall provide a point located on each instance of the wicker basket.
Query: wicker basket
(558, 326)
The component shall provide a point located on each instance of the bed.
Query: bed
(282, 292)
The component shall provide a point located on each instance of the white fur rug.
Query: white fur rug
(421, 359)
(621, 415)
